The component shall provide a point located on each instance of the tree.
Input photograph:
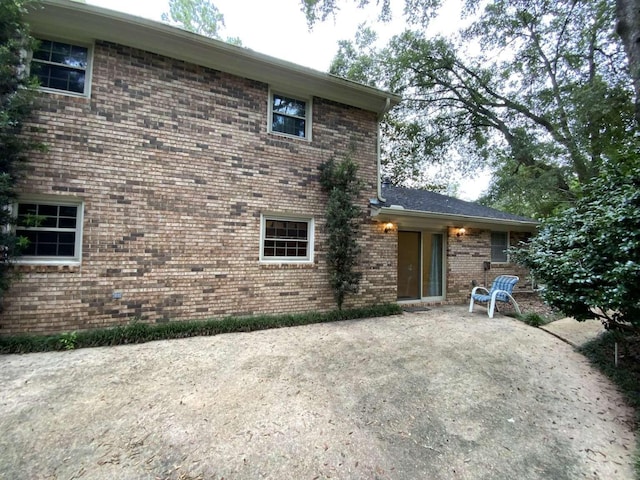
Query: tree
(588, 257)
(628, 14)
(340, 182)
(544, 102)
(198, 16)
(17, 95)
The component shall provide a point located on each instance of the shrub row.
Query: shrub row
(138, 332)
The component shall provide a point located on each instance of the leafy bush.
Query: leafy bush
(533, 319)
(588, 256)
(138, 332)
(17, 100)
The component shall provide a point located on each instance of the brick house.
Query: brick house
(181, 180)
(444, 244)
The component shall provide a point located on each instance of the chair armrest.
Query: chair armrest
(475, 289)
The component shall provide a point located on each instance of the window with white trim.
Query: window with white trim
(286, 239)
(289, 115)
(499, 246)
(61, 67)
(53, 231)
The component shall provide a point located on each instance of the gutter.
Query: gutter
(401, 212)
(381, 114)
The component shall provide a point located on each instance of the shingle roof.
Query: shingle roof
(72, 20)
(431, 202)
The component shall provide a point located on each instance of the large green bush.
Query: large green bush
(588, 256)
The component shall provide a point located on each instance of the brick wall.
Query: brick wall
(175, 165)
(465, 257)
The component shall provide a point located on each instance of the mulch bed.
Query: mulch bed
(528, 303)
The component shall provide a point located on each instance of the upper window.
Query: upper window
(61, 67)
(285, 239)
(53, 231)
(499, 245)
(290, 116)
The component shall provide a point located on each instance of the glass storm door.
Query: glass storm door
(432, 265)
(420, 265)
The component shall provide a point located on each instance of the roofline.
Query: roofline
(79, 21)
(459, 219)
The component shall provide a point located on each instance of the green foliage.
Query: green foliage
(341, 182)
(138, 332)
(69, 340)
(588, 256)
(319, 10)
(198, 16)
(544, 102)
(17, 97)
(533, 319)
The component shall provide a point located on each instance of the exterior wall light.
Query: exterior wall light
(388, 227)
(461, 232)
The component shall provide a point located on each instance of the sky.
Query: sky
(279, 28)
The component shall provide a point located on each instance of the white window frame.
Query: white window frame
(506, 254)
(287, 218)
(58, 201)
(308, 114)
(88, 70)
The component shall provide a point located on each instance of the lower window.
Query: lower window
(499, 246)
(286, 239)
(52, 231)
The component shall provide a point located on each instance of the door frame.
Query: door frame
(422, 232)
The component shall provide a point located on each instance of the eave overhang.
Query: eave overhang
(81, 22)
(420, 219)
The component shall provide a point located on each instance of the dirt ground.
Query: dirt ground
(441, 394)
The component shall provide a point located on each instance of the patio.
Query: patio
(439, 394)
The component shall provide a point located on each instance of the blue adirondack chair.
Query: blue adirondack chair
(500, 291)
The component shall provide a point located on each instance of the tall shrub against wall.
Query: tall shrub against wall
(340, 181)
(17, 92)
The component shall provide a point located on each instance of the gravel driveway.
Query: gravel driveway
(442, 394)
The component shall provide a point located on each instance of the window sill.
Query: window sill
(63, 92)
(47, 263)
(290, 137)
(292, 265)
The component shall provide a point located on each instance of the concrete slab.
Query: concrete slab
(573, 332)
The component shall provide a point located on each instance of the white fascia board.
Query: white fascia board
(78, 21)
(398, 214)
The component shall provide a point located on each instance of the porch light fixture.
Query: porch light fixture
(461, 232)
(388, 227)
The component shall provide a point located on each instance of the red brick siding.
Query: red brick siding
(175, 166)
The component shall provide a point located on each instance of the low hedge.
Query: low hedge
(138, 332)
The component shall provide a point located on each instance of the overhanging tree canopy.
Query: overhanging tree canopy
(545, 100)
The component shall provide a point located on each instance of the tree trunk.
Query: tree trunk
(628, 14)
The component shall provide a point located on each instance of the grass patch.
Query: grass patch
(601, 353)
(138, 332)
(533, 319)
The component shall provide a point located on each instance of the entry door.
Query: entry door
(409, 270)
(420, 265)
